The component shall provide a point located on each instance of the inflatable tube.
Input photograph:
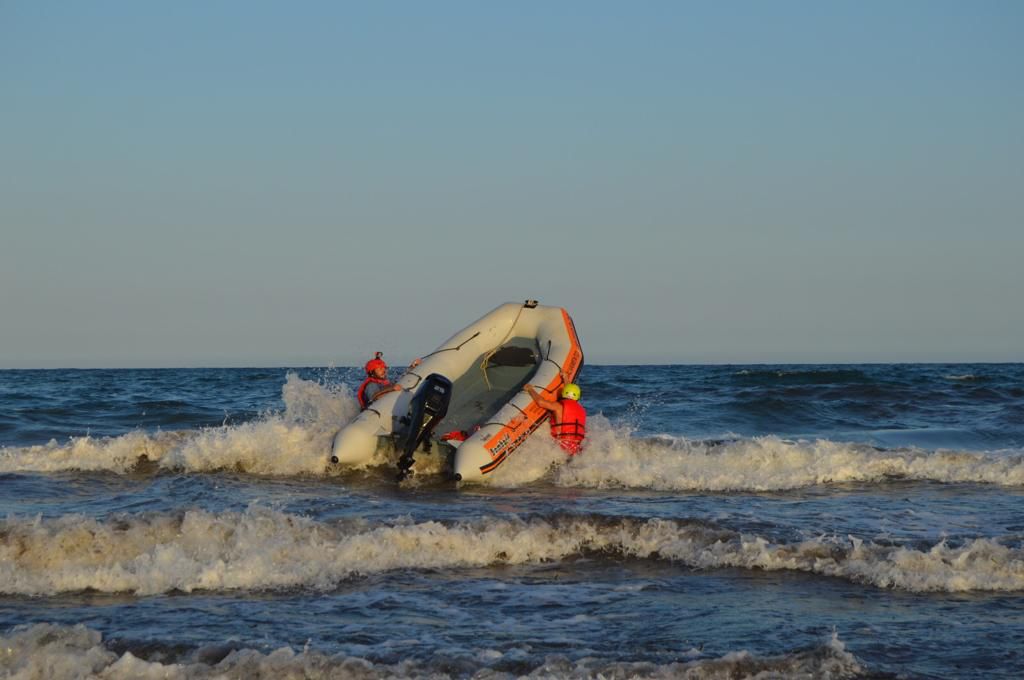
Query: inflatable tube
(488, 362)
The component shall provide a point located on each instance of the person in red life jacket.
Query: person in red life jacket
(567, 415)
(377, 384)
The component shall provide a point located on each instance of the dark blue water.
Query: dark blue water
(723, 521)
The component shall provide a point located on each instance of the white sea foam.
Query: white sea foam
(769, 463)
(262, 549)
(293, 442)
(298, 441)
(72, 652)
(534, 459)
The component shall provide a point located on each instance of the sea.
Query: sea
(723, 521)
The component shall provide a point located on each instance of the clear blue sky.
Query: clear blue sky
(253, 183)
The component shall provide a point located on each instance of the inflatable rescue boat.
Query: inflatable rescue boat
(465, 400)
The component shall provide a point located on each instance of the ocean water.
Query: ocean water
(722, 522)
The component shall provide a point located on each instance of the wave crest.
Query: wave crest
(288, 443)
(297, 441)
(770, 464)
(60, 652)
(263, 549)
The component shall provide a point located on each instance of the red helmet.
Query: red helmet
(375, 363)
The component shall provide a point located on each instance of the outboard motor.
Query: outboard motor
(428, 407)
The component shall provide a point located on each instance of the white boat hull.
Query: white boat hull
(487, 362)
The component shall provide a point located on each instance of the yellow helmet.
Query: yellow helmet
(571, 391)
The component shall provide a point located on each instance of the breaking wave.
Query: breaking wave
(770, 464)
(59, 652)
(264, 549)
(290, 443)
(298, 440)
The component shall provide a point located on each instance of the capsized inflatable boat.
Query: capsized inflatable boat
(465, 400)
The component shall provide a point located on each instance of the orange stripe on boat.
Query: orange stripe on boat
(516, 431)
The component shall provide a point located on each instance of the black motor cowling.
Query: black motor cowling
(428, 407)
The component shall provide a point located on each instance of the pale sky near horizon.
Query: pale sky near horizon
(255, 183)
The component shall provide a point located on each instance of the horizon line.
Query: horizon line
(213, 367)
